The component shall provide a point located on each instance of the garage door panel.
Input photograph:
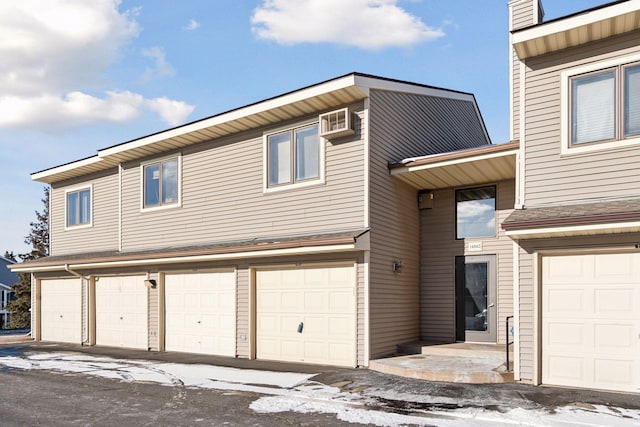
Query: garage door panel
(122, 312)
(326, 309)
(200, 312)
(61, 310)
(591, 321)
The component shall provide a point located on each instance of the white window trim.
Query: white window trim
(565, 108)
(161, 207)
(77, 188)
(265, 159)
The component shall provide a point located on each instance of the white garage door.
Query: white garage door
(121, 312)
(61, 310)
(201, 313)
(307, 315)
(591, 321)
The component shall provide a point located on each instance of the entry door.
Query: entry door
(476, 298)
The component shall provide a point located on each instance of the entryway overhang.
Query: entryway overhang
(479, 165)
(587, 219)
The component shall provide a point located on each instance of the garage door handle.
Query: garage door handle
(300, 326)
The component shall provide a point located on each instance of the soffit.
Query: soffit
(576, 30)
(480, 165)
(244, 119)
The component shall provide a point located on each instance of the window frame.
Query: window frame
(293, 183)
(618, 65)
(159, 161)
(78, 189)
(495, 211)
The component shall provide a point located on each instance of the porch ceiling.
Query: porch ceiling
(479, 165)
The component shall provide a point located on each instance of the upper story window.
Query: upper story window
(161, 183)
(78, 207)
(476, 212)
(293, 156)
(602, 106)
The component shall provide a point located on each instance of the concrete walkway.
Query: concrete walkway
(468, 363)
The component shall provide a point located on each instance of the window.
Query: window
(605, 105)
(293, 156)
(476, 212)
(78, 207)
(160, 183)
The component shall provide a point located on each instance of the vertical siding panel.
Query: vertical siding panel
(243, 315)
(154, 314)
(526, 316)
(404, 125)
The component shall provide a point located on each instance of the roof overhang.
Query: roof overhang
(357, 240)
(490, 163)
(573, 230)
(578, 29)
(293, 105)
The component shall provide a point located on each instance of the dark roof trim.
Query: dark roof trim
(515, 224)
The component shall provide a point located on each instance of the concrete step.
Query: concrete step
(471, 370)
(463, 349)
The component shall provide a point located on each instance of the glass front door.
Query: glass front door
(475, 298)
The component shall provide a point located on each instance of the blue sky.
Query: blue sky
(77, 76)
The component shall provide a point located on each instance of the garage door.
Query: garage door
(591, 321)
(61, 310)
(121, 312)
(307, 315)
(201, 313)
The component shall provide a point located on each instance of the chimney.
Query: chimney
(525, 13)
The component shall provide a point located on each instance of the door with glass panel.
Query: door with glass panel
(476, 298)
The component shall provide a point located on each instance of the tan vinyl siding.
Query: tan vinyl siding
(550, 177)
(523, 14)
(437, 254)
(404, 125)
(103, 234)
(153, 313)
(243, 310)
(515, 96)
(526, 328)
(223, 199)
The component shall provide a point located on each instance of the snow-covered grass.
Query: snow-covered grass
(290, 391)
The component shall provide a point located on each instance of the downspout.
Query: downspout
(85, 282)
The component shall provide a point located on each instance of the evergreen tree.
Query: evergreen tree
(38, 239)
(10, 255)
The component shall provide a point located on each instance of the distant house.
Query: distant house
(7, 280)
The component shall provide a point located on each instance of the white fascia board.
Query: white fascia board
(569, 23)
(202, 258)
(43, 175)
(572, 230)
(259, 107)
(407, 169)
(366, 83)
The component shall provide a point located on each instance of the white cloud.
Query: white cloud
(161, 67)
(172, 112)
(475, 208)
(55, 54)
(368, 24)
(192, 25)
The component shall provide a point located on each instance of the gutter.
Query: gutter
(75, 273)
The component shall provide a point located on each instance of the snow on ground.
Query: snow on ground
(289, 391)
